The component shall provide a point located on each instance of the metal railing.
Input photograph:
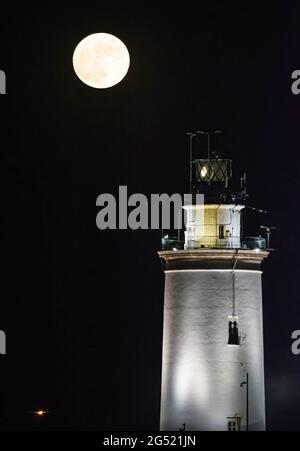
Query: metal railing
(173, 243)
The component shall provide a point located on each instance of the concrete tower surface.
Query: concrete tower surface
(213, 362)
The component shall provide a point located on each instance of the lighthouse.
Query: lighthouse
(213, 356)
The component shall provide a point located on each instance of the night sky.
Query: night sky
(82, 308)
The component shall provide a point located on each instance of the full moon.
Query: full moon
(101, 60)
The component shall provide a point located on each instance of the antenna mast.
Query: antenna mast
(191, 135)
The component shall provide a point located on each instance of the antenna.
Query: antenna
(268, 230)
(203, 132)
(259, 210)
(192, 136)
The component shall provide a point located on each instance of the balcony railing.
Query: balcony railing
(173, 243)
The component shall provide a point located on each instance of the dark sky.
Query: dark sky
(81, 308)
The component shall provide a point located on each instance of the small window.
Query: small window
(221, 232)
(233, 424)
(233, 332)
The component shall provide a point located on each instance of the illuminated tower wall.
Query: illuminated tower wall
(212, 282)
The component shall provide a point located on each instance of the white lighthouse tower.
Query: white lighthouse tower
(213, 362)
